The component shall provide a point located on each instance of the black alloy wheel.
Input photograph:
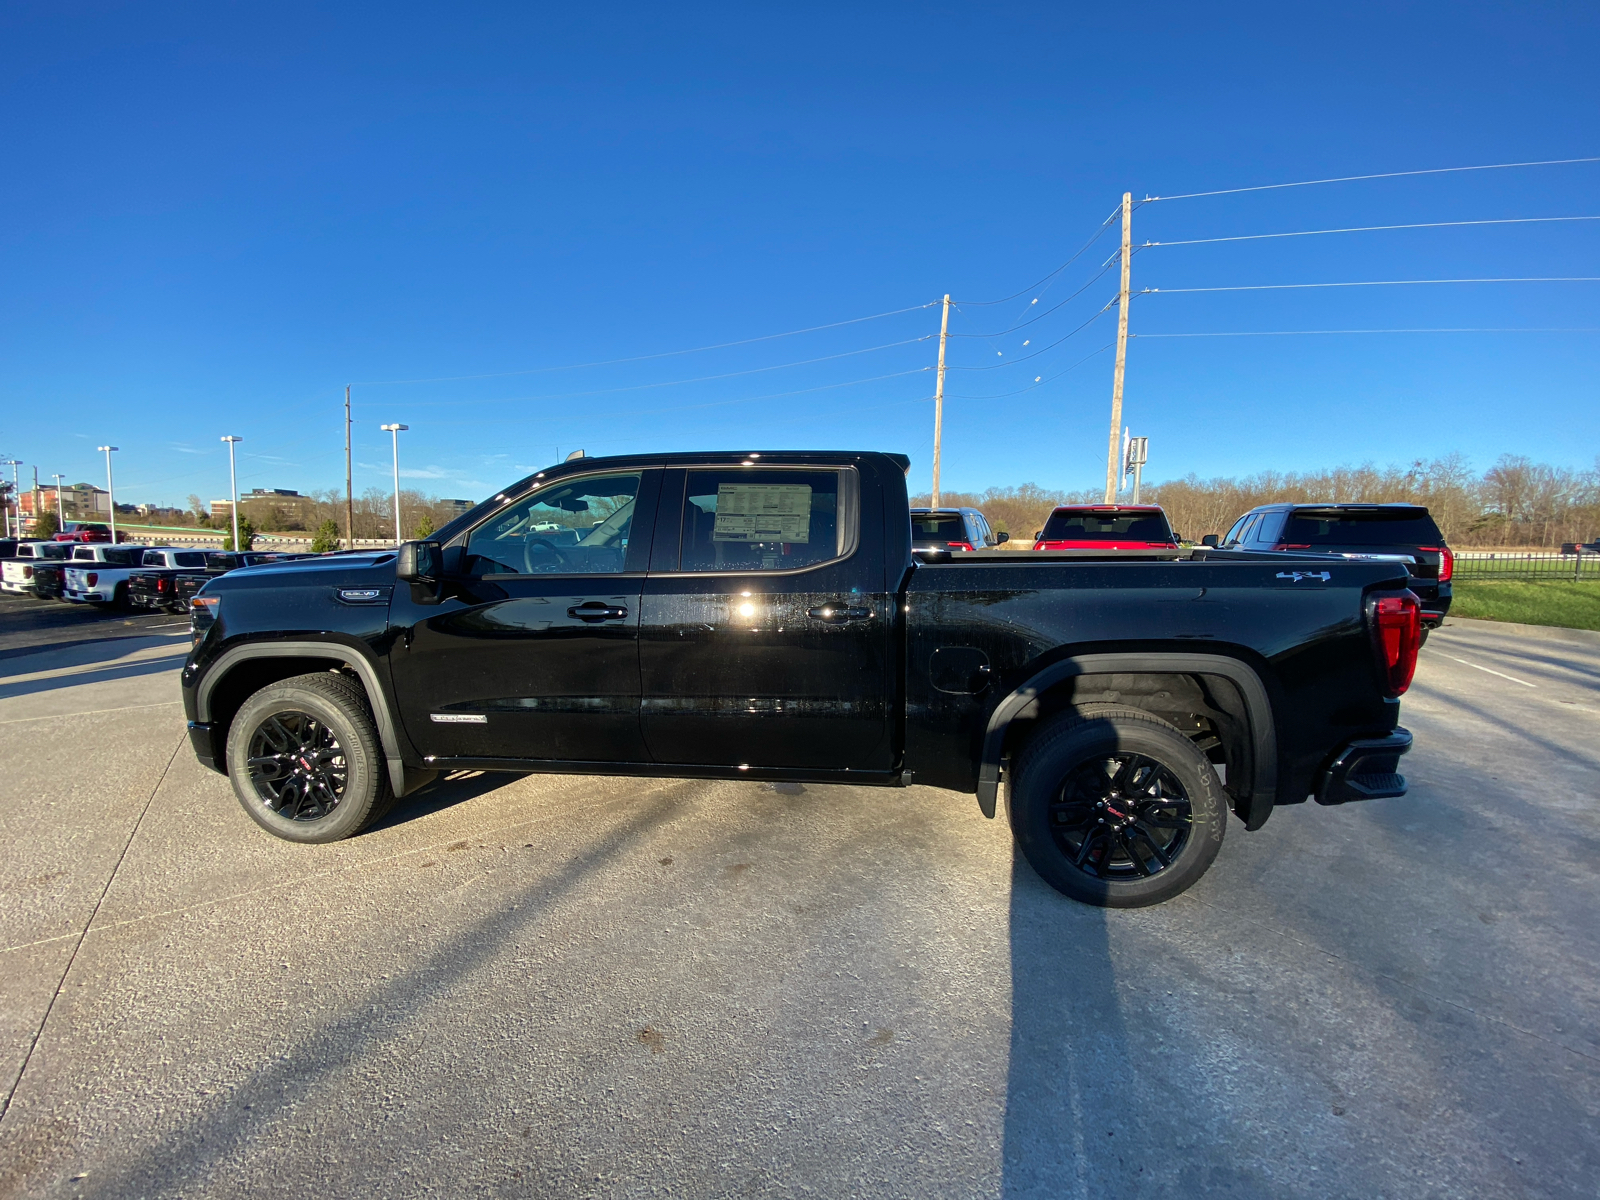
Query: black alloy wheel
(306, 760)
(297, 766)
(1115, 807)
(1124, 816)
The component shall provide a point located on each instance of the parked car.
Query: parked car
(945, 530)
(719, 620)
(1398, 532)
(1106, 527)
(87, 531)
(8, 547)
(155, 585)
(16, 572)
(98, 573)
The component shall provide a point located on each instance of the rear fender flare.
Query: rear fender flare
(1258, 707)
(331, 652)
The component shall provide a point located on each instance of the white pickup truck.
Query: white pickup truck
(16, 573)
(97, 572)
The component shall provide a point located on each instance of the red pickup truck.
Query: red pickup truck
(1106, 527)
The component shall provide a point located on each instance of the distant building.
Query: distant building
(454, 508)
(296, 511)
(82, 501)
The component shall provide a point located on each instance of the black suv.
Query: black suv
(1364, 531)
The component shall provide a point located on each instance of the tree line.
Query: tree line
(420, 513)
(1516, 502)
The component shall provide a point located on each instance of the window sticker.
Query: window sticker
(763, 512)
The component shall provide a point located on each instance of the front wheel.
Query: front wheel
(1115, 807)
(305, 759)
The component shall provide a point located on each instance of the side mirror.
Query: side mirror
(419, 562)
(1001, 537)
(1210, 539)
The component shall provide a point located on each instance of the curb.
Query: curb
(1556, 633)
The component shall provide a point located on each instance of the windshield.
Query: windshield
(1068, 525)
(1411, 527)
(937, 527)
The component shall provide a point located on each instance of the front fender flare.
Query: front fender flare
(388, 734)
(1258, 708)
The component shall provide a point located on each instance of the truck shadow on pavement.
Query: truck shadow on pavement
(447, 791)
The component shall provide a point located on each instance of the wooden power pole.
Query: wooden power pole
(938, 399)
(349, 492)
(1113, 467)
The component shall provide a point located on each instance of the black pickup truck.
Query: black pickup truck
(762, 616)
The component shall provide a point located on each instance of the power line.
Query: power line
(1046, 312)
(1043, 350)
(640, 387)
(1305, 332)
(1039, 383)
(1253, 237)
(611, 362)
(1267, 187)
(1273, 287)
(1098, 234)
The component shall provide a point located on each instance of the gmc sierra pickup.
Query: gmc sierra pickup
(762, 616)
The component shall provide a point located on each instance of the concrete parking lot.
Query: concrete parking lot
(560, 986)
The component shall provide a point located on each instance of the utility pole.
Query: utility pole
(233, 487)
(1122, 348)
(36, 499)
(349, 492)
(938, 398)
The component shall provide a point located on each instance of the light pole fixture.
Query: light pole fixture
(16, 495)
(111, 490)
(394, 433)
(13, 463)
(233, 489)
(61, 512)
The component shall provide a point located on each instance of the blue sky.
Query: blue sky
(217, 216)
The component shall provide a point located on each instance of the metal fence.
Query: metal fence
(1474, 564)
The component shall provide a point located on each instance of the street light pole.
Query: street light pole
(111, 491)
(394, 432)
(233, 488)
(13, 463)
(61, 512)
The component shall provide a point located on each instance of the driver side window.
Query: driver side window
(571, 527)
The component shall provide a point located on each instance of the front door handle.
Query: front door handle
(839, 614)
(594, 610)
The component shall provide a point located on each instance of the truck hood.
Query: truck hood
(356, 567)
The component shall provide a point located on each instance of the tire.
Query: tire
(1063, 804)
(305, 759)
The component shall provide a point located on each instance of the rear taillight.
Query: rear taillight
(1447, 561)
(960, 545)
(1394, 620)
(27, 572)
(1293, 546)
(163, 585)
(93, 577)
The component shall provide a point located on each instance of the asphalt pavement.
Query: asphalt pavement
(565, 986)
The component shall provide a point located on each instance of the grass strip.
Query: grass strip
(1548, 602)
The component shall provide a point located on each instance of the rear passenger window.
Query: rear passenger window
(121, 558)
(153, 558)
(776, 520)
(191, 559)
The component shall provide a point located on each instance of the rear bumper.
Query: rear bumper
(1366, 769)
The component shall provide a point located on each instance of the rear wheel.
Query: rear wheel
(1115, 807)
(305, 759)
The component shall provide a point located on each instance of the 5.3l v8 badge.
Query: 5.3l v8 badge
(1297, 576)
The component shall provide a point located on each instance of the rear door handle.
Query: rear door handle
(839, 614)
(593, 610)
